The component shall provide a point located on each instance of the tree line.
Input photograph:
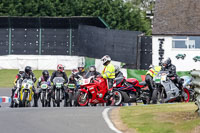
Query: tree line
(118, 14)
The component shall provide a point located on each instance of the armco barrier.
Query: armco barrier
(196, 82)
(5, 99)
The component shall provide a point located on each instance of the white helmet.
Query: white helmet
(81, 64)
(21, 70)
(105, 59)
(151, 66)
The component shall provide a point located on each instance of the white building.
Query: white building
(178, 22)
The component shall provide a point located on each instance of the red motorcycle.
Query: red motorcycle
(130, 90)
(93, 91)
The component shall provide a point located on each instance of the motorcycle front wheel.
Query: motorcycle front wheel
(118, 98)
(42, 99)
(154, 96)
(58, 98)
(24, 99)
(82, 99)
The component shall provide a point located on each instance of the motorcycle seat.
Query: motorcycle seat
(142, 83)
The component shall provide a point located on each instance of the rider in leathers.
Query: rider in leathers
(168, 66)
(28, 74)
(44, 78)
(92, 72)
(81, 71)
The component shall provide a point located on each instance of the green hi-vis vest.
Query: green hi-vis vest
(154, 71)
(108, 71)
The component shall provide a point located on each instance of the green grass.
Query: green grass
(164, 118)
(7, 77)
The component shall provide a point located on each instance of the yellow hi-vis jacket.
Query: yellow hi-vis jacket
(154, 71)
(108, 72)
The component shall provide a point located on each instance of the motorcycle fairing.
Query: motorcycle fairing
(171, 90)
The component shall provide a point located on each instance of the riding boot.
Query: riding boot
(12, 101)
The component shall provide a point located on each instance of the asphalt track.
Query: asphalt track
(51, 120)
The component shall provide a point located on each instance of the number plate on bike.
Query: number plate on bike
(58, 85)
(157, 80)
(44, 86)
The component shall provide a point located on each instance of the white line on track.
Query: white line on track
(108, 121)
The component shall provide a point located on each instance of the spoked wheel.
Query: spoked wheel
(117, 96)
(186, 95)
(82, 98)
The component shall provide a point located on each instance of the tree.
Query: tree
(117, 13)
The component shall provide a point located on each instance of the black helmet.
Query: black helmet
(92, 69)
(167, 62)
(45, 74)
(28, 69)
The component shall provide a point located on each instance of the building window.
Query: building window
(184, 42)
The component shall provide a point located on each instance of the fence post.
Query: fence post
(10, 36)
(40, 37)
(196, 82)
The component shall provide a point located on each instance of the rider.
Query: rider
(81, 70)
(28, 74)
(72, 79)
(92, 72)
(18, 76)
(108, 71)
(59, 73)
(168, 66)
(44, 78)
(151, 73)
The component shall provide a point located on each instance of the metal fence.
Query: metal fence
(196, 82)
(42, 35)
(80, 36)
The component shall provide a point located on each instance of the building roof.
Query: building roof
(176, 17)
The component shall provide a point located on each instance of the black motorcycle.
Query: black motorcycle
(45, 94)
(58, 83)
(70, 95)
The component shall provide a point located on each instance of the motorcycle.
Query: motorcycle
(130, 90)
(93, 91)
(58, 83)
(26, 93)
(45, 95)
(70, 94)
(166, 91)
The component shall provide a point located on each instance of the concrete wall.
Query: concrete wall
(181, 65)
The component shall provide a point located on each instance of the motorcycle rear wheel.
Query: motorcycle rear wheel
(186, 98)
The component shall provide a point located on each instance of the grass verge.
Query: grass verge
(7, 77)
(164, 118)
